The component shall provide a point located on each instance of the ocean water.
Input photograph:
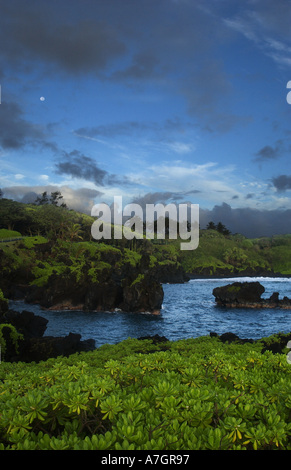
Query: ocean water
(189, 311)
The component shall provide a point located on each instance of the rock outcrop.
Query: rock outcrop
(248, 295)
(276, 343)
(140, 294)
(111, 285)
(30, 344)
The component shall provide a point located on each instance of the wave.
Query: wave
(243, 279)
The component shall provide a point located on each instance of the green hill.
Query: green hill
(218, 254)
(236, 255)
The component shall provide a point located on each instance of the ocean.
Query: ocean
(189, 311)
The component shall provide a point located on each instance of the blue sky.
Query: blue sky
(153, 100)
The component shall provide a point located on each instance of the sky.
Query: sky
(170, 101)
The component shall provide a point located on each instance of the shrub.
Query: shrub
(194, 394)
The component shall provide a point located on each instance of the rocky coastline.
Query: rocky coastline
(23, 340)
(128, 288)
(32, 346)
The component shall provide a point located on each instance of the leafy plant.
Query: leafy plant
(198, 394)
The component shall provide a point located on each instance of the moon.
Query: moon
(42, 98)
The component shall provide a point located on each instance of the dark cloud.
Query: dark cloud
(144, 66)
(171, 44)
(163, 197)
(269, 152)
(15, 130)
(282, 182)
(128, 128)
(114, 129)
(78, 165)
(208, 92)
(35, 32)
(249, 222)
(155, 198)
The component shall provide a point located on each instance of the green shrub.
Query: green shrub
(5, 233)
(14, 336)
(30, 242)
(193, 394)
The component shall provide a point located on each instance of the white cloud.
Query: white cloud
(264, 28)
(180, 147)
(44, 177)
(19, 176)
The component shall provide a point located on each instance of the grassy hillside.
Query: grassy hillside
(234, 253)
(217, 253)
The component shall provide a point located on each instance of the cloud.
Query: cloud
(34, 33)
(180, 147)
(129, 128)
(269, 153)
(172, 45)
(162, 197)
(144, 66)
(282, 182)
(78, 165)
(267, 24)
(115, 129)
(15, 131)
(208, 92)
(249, 222)
(170, 135)
(81, 199)
(182, 176)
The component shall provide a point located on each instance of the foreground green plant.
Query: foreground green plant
(194, 394)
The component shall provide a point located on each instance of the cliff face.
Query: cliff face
(83, 276)
(248, 295)
(142, 295)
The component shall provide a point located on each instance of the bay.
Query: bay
(189, 311)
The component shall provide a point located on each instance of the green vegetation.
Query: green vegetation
(219, 252)
(14, 336)
(190, 394)
(5, 233)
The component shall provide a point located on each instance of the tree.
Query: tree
(13, 216)
(211, 226)
(54, 199)
(71, 232)
(222, 229)
(42, 199)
